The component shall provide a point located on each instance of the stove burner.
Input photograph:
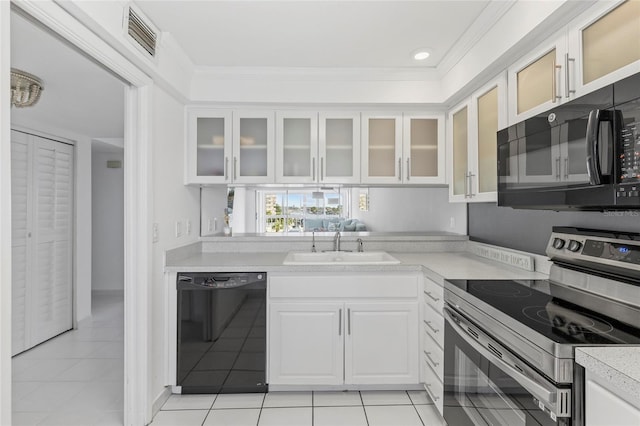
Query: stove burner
(570, 322)
(499, 289)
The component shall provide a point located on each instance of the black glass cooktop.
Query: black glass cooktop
(532, 303)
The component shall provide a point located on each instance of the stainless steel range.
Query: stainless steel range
(509, 344)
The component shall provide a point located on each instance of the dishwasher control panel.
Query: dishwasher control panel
(220, 280)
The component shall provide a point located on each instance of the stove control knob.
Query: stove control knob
(558, 243)
(574, 245)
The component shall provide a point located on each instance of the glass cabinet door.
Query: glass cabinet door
(253, 143)
(382, 149)
(209, 146)
(611, 42)
(297, 147)
(487, 106)
(339, 147)
(536, 83)
(460, 138)
(423, 150)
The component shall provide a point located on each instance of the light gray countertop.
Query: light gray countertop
(437, 265)
(618, 364)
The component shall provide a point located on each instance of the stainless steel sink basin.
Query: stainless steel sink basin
(340, 258)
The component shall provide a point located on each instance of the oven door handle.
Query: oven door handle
(548, 397)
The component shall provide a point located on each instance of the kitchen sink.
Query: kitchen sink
(339, 258)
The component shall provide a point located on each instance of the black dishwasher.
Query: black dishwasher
(221, 332)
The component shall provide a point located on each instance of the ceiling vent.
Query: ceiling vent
(142, 32)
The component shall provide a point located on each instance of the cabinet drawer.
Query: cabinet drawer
(433, 386)
(433, 325)
(433, 295)
(433, 355)
(393, 286)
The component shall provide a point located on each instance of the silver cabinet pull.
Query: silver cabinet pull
(399, 169)
(428, 354)
(340, 322)
(313, 166)
(435, 330)
(567, 79)
(321, 168)
(471, 175)
(566, 169)
(408, 169)
(349, 322)
(235, 168)
(435, 398)
(466, 185)
(226, 168)
(557, 168)
(428, 293)
(554, 82)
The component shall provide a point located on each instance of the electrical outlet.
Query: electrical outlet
(178, 229)
(452, 222)
(209, 225)
(155, 233)
(188, 226)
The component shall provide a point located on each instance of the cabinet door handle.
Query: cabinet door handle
(554, 82)
(428, 293)
(235, 168)
(428, 323)
(466, 185)
(408, 168)
(428, 354)
(566, 169)
(435, 398)
(321, 168)
(313, 166)
(400, 169)
(557, 168)
(567, 79)
(471, 193)
(349, 322)
(340, 322)
(226, 168)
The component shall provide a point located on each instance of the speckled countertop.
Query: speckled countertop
(618, 364)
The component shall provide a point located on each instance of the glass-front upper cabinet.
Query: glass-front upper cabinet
(339, 147)
(474, 144)
(296, 147)
(253, 147)
(423, 149)
(209, 147)
(382, 148)
(604, 45)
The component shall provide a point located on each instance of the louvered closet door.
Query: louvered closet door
(51, 294)
(20, 209)
(42, 244)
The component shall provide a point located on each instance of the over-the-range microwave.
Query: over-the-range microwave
(582, 155)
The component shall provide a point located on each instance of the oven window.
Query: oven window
(479, 393)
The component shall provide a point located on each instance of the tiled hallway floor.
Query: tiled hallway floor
(77, 377)
(366, 408)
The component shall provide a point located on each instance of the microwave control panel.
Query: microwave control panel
(630, 153)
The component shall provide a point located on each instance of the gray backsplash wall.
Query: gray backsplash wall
(529, 230)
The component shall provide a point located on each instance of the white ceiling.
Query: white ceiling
(307, 33)
(78, 96)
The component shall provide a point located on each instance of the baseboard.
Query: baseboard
(160, 400)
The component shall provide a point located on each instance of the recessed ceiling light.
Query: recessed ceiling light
(421, 54)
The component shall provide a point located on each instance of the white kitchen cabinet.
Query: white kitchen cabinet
(432, 354)
(599, 47)
(605, 405)
(472, 133)
(339, 147)
(296, 147)
(403, 148)
(306, 343)
(353, 329)
(229, 147)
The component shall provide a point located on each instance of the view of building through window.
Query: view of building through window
(288, 211)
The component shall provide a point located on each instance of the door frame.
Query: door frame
(137, 202)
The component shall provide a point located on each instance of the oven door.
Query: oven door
(485, 384)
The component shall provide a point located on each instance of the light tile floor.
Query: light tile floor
(77, 377)
(365, 408)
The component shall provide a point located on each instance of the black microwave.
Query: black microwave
(582, 155)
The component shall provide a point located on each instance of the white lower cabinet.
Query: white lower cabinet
(604, 405)
(432, 355)
(343, 339)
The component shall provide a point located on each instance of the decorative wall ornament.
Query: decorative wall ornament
(25, 88)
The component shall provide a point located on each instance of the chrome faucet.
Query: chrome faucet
(336, 241)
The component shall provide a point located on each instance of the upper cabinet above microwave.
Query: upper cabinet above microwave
(600, 47)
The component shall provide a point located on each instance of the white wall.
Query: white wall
(410, 209)
(107, 209)
(172, 202)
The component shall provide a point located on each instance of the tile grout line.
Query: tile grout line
(366, 418)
